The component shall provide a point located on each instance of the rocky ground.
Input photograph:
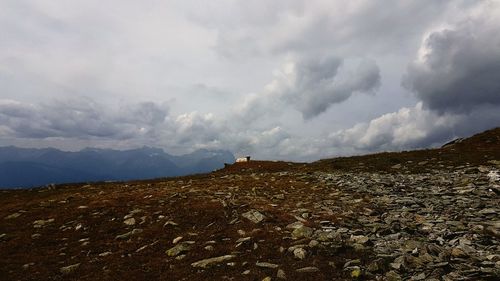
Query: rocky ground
(424, 215)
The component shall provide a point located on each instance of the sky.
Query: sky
(293, 80)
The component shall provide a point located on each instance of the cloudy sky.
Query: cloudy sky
(285, 79)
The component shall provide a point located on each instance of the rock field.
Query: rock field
(424, 215)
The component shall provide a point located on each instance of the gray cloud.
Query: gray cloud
(306, 27)
(459, 67)
(311, 86)
(79, 118)
(213, 63)
(319, 85)
(457, 78)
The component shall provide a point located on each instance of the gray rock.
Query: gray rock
(313, 243)
(179, 249)
(42, 223)
(302, 232)
(281, 274)
(392, 276)
(266, 264)
(420, 276)
(129, 234)
(13, 216)
(129, 221)
(254, 216)
(294, 225)
(300, 253)
(359, 239)
(307, 269)
(69, 269)
(205, 263)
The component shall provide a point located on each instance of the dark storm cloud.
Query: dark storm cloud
(459, 68)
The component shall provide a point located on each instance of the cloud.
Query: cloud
(212, 58)
(458, 68)
(406, 128)
(119, 126)
(79, 118)
(311, 86)
(412, 127)
(456, 79)
(354, 28)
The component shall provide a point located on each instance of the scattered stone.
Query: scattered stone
(266, 264)
(127, 235)
(253, 216)
(352, 263)
(356, 272)
(177, 239)
(373, 266)
(392, 276)
(281, 274)
(302, 232)
(179, 249)
(359, 239)
(294, 225)
(458, 253)
(313, 243)
(28, 265)
(172, 223)
(142, 248)
(42, 223)
(308, 269)
(267, 279)
(105, 254)
(13, 216)
(69, 269)
(299, 253)
(397, 166)
(205, 263)
(418, 277)
(129, 221)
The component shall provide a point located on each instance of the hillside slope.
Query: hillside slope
(420, 215)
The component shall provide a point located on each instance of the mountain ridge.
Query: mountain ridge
(36, 167)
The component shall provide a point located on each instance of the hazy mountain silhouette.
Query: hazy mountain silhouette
(27, 167)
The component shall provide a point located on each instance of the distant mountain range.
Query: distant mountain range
(27, 167)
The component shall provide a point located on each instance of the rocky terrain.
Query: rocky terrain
(418, 215)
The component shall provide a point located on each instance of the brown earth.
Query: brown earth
(81, 222)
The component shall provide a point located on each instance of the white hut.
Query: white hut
(243, 159)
